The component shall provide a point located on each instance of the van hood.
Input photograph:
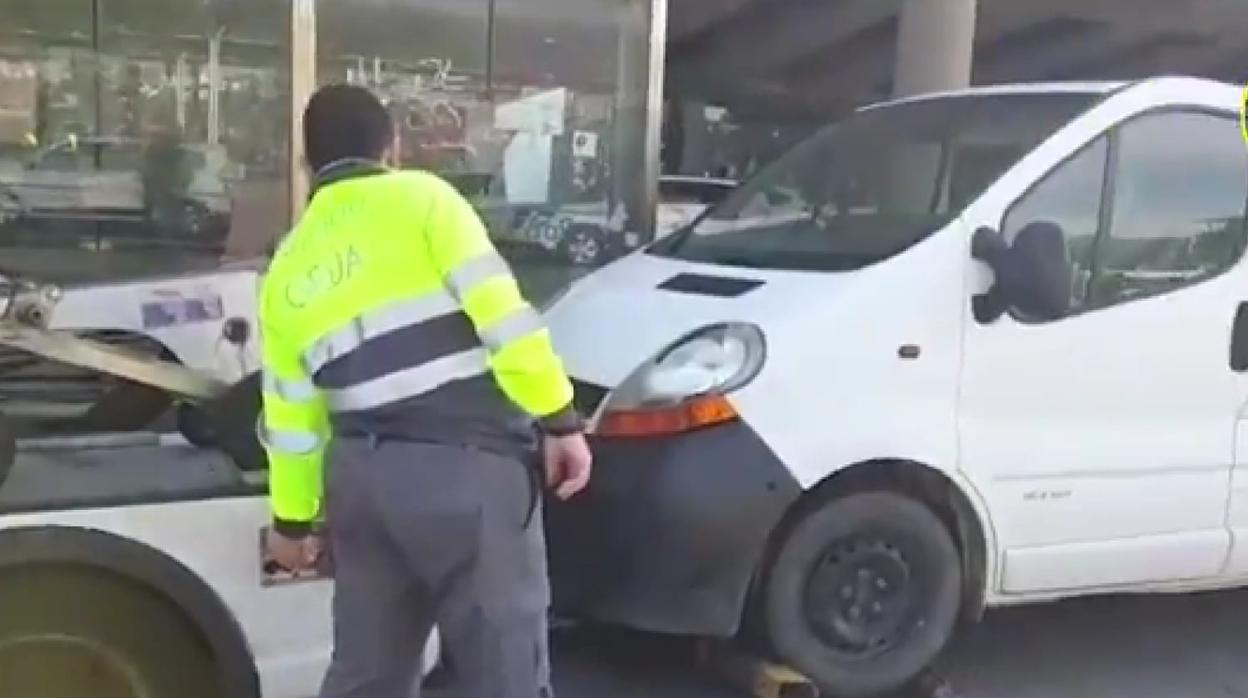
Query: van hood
(610, 322)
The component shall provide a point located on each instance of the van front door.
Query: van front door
(1104, 441)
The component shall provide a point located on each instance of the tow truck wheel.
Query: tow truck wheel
(69, 633)
(864, 593)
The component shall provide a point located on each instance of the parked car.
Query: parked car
(100, 179)
(960, 351)
(682, 198)
(588, 234)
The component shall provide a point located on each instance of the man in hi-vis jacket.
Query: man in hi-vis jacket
(404, 370)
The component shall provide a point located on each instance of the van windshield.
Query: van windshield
(866, 189)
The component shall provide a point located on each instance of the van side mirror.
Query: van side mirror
(1033, 274)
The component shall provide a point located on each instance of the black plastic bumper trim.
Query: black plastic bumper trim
(670, 532)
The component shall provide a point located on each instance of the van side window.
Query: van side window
(1069, 196)
(1171, 213)
(1180, 186)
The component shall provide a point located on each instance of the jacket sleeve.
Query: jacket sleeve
(521, 355)
(294, 429)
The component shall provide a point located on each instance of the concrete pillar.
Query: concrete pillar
(935, 46)
(935, 49)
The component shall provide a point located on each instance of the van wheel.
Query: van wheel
(864, 593)
(69, 633)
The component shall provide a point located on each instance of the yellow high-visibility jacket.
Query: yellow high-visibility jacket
(387, 312)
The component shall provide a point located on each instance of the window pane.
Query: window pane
(137, 138)
(680, 191)
(59, 160)
(1179, 196)
(157, 134)
(1069, 197)
(534, 109)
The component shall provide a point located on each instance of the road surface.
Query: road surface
(1119, 647)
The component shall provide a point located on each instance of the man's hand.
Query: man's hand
(568, 464)
(293, 554)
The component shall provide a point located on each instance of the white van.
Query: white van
(994, 354)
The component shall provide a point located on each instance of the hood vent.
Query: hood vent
(703, 285)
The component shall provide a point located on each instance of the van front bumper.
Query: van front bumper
(670, 531)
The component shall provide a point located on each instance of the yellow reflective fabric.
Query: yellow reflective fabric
(369, 252)
(290, 417)
(526, 367)
(322, 275)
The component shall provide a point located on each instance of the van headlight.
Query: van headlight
(685, 386)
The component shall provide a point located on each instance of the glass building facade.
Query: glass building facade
(146, 137)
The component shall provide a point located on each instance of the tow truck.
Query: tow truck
(130, 561)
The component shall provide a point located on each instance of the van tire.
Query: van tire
(863, 593)
(70, 631)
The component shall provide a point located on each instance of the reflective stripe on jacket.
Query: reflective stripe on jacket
(388, 311)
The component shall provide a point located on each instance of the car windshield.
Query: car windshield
(871, 187)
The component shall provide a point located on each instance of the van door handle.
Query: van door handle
(1239, 339)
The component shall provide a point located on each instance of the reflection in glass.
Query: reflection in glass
(140, 137)
(534, 109)
(1071, 197)
(1178, 206)
(873, 186)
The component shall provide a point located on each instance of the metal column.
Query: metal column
(97, 74)
(214, 86)
(302, 85)
(181, 85)
(653, 164)
(935, 46)
(640, 54)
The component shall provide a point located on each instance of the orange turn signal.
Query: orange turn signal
(695, 413)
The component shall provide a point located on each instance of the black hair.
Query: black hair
(345, 121)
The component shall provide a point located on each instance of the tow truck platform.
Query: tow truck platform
(111, 470)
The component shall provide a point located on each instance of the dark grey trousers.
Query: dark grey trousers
(423, 534)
